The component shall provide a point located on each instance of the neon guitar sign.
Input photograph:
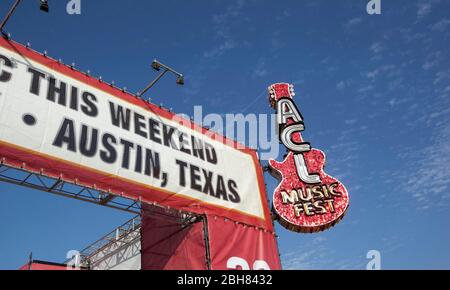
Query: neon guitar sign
(307, 199)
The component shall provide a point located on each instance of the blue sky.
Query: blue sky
(374, 90)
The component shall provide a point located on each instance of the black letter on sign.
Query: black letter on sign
(183, 166)
(74, 99)
(53, 90)
(120, 117)
(88, 151)
(195, 178)
(155, 131)
(152, 164)
(66, 134)
(5, 76)
(234, 196)
(110, 153)
(208, 187)
(221, 191)
(197, 148)
(89, 108)
(35, 87)
(139, 123)
(127, 146)
(168, 137)
(211, 155)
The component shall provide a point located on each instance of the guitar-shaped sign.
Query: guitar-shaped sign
(307, 199)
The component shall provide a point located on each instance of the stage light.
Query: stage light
(44, 5)
(156, 65)
(180, 80)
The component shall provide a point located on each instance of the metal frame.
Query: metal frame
(156, 65)
(8, 15)
(127, 234)
(119, 236)
(60, 187)
(43, 7)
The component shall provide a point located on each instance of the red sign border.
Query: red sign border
(80, 175)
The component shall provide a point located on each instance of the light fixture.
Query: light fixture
(44, 5)
(180, 80)
(156, 65)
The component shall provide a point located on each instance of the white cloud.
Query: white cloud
(377, 47)
(428, 178)
(386, 70)
(423, 9)
(317, 255)
(441, 25)
(432, 60)
(220, 49)
(373, 74)
(260, 69)
(410, 36)
(284, 15)
(232, 11)
(429, 64)
(352, 22)
(312, 256)
(277, 41)
(222, 28)
(441, 76)
(341, 85)
(365, 89)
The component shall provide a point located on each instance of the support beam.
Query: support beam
(60, 187)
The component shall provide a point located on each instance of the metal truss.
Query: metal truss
(123, 243)
(40, 182)
(98, 255)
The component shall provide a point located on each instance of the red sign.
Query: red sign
(44, 266)
(168, 245)
(235, 246)
(307, 200)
